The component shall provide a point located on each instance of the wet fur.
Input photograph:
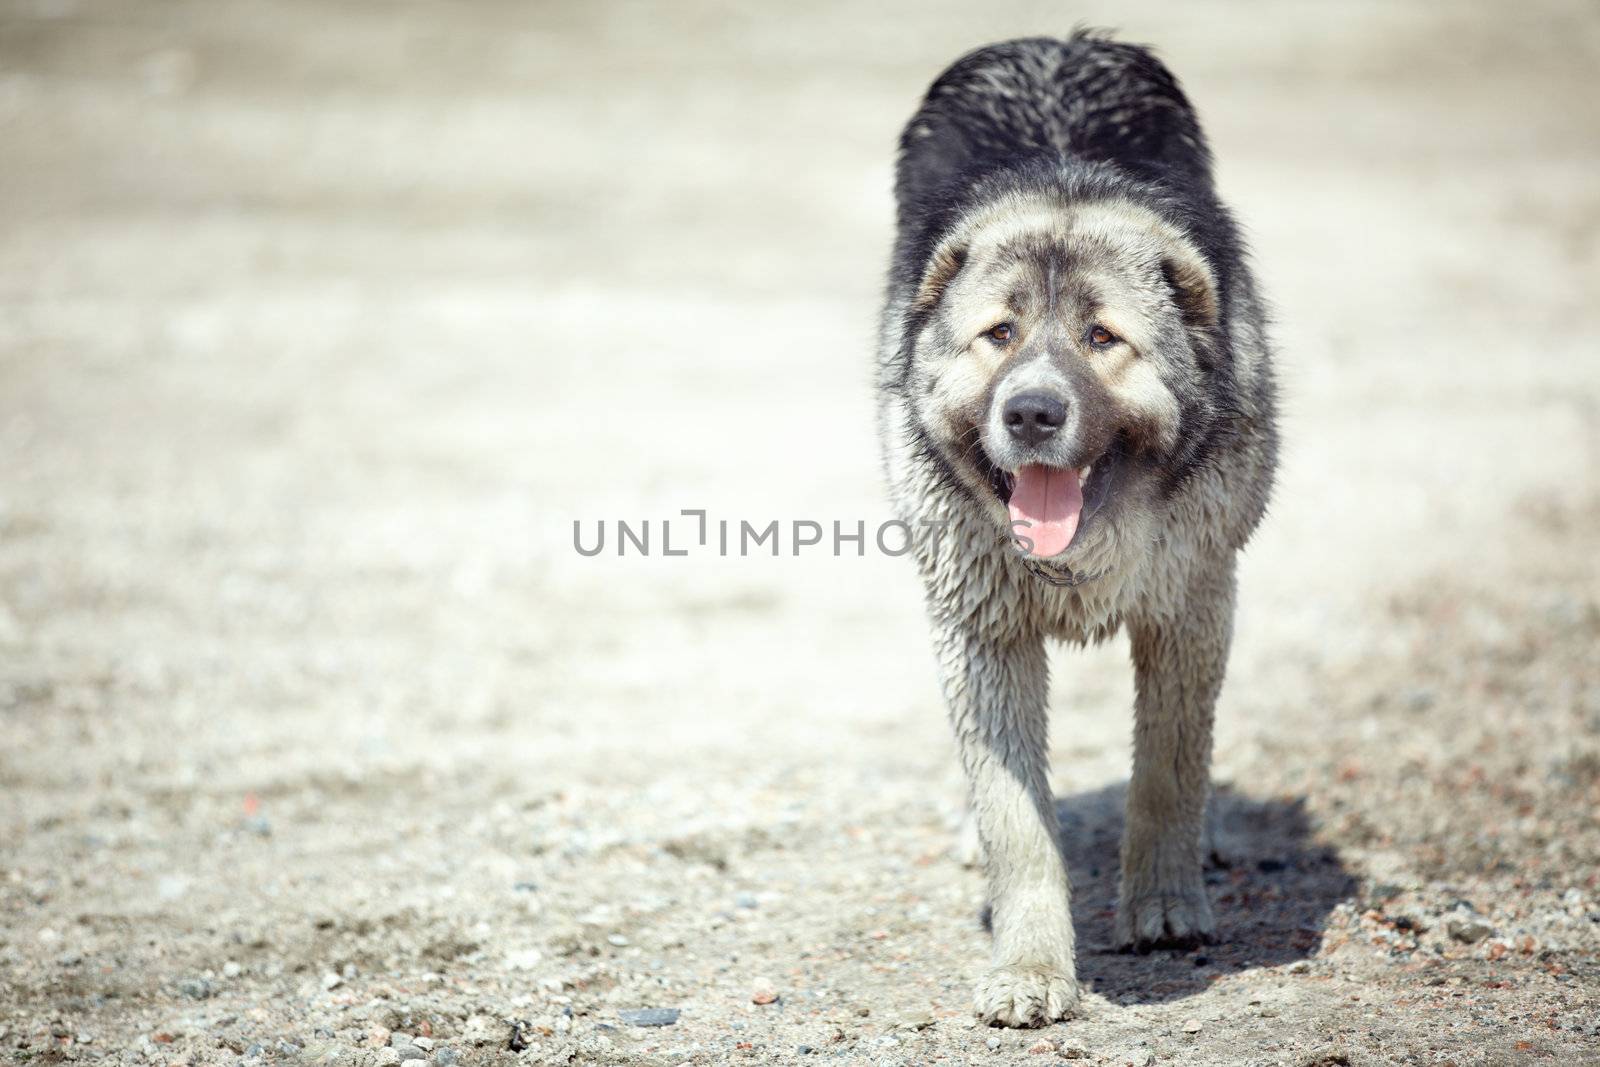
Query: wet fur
(1085, 160)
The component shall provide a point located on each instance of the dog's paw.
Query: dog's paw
(1025, 996)
(1165, 918)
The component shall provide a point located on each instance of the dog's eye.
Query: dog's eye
(1000, 334)
(1100, 337)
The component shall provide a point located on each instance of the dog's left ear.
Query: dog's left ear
(943, 266)
(1194, 287)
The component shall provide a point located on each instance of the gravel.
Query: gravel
(321, 328)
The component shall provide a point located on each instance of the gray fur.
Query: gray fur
(1068, 180)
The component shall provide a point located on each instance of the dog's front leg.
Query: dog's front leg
(1179, 660)
(996, 692)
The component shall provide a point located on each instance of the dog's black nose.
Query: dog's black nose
(1033, 416)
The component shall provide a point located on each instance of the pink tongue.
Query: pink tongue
(1045, 505)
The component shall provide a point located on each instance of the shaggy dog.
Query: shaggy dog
(1076, 387)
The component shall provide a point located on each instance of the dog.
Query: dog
(1076, 388)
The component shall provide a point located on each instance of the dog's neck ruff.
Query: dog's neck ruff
(1057, 576)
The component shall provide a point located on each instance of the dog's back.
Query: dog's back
(1041, 100)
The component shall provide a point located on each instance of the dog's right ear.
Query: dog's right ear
(943, 266)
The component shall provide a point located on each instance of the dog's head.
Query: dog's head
(1061, 363)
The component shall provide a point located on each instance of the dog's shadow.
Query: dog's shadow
(1272, 887)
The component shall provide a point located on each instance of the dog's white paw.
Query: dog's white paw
(1174, 917)
(1025, 996)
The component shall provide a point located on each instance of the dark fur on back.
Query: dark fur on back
(1085, 118)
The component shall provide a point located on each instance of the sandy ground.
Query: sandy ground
(321, 324)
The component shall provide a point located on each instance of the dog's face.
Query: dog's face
(1061, 358)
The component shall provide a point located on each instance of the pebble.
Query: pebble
(387, 1057)
(1042, 1047)
(231, 970)
(424, 1043)
(1469, 931)
(747, 900)
(650, 1016)
(322, 1051)
(481, 1030)
(410, 1052)
(993, 1043)
(195, 988)
(331, 981)
(618, 940)
(1300, 967)
(1191, 1026)
(287, 1048)
(527, 959)
(253, 1051)
(446, 1057)
(764, 993)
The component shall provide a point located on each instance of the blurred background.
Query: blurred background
(321, 324)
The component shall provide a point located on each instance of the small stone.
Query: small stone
(195, 988)
(1073, 1052)
(410, 1052)
(1299, 967)
(1191, 1026)
(993, 1043)
(480, 1030)
(387, 1057)
(332, 981)
(254, 1051)
(446, 1057)
(231, 970)
(804, 1050)
(321, 1051)
(1469, 931)
(424, 1043)
(400, 1037)
(650, 1016)
(1042, 1047)
(747, 900)
(287, 1048)
(764, 993)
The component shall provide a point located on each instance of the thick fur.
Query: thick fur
(1060, 184)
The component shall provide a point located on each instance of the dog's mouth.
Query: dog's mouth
(1049, 505)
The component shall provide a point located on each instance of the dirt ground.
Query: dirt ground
(320, 324)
